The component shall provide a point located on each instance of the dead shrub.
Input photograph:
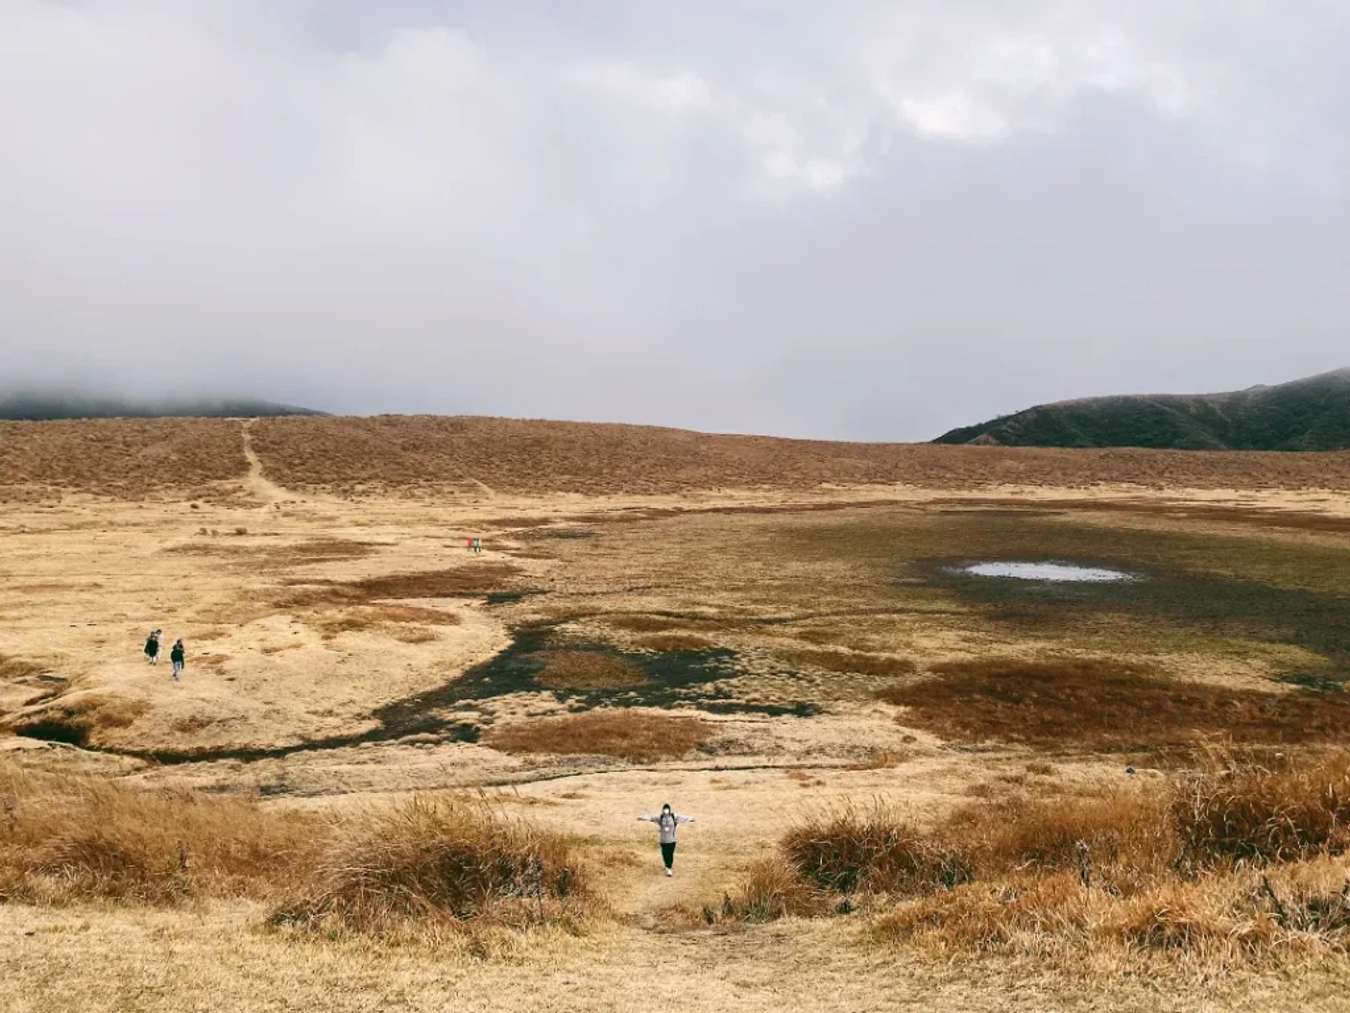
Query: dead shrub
(1235, 809)
(977, 918)
(1122, 834)
(71, 838)
(773, 890)
(848, 849)
(1105, 704)
(635, 735)
(569, 669)
(428, 866)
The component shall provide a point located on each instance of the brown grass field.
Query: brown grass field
(399, 775)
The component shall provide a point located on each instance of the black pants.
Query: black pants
(668, 854)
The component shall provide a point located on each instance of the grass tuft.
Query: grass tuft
(429, 865)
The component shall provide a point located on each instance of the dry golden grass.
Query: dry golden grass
(772, 889)
(415, 869)
(391, 619)
(569, 669)
(1105, 704)
(405, 454)
(644, 624)
(126, 458)
(409, 456)
(674, 642)
(1238, 864)
(850, 662)
(1279, 809)
(77, 721)
(850, 849)
(638, 736)
(65, 839)
(469, 580)
(430, 866)
(12, 669)
(279, 557)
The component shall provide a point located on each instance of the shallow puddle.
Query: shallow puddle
(1061, 572)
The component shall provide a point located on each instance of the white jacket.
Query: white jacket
(667, 823)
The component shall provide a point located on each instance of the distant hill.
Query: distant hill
(41, 406)
(482, 458)
(1308, 414)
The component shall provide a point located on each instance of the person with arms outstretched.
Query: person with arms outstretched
(667, 824)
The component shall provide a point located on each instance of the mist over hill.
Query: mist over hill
(45, 405)
(1308, 414)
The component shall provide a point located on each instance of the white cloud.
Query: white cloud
(807, 222)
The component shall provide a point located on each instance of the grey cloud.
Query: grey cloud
(854, 220)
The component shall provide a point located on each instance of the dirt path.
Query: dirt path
(256, 483)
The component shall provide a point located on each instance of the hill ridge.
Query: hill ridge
(1309, 414)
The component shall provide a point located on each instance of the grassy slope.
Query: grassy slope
(1309, 414)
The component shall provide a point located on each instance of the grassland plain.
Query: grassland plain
(765, 640)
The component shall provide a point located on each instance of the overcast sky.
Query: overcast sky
(846, 220)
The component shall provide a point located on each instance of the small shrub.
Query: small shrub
(774, 890)
(431, 865)
(1239, 810)
(846, 850)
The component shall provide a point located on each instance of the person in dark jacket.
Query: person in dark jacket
(152, 647)
(178, 656)
(667, 823)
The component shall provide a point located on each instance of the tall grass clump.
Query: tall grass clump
(851, 849)
(429, 866)
(65, 839)
(1285, 808)
(1241, 862)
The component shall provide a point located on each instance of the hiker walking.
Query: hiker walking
(152, 647)
(176, 655)
(667, 824)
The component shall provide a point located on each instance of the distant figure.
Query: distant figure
(152, 647)
(667, 823)
(477, 545)
(176, 655)
(468, 542)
